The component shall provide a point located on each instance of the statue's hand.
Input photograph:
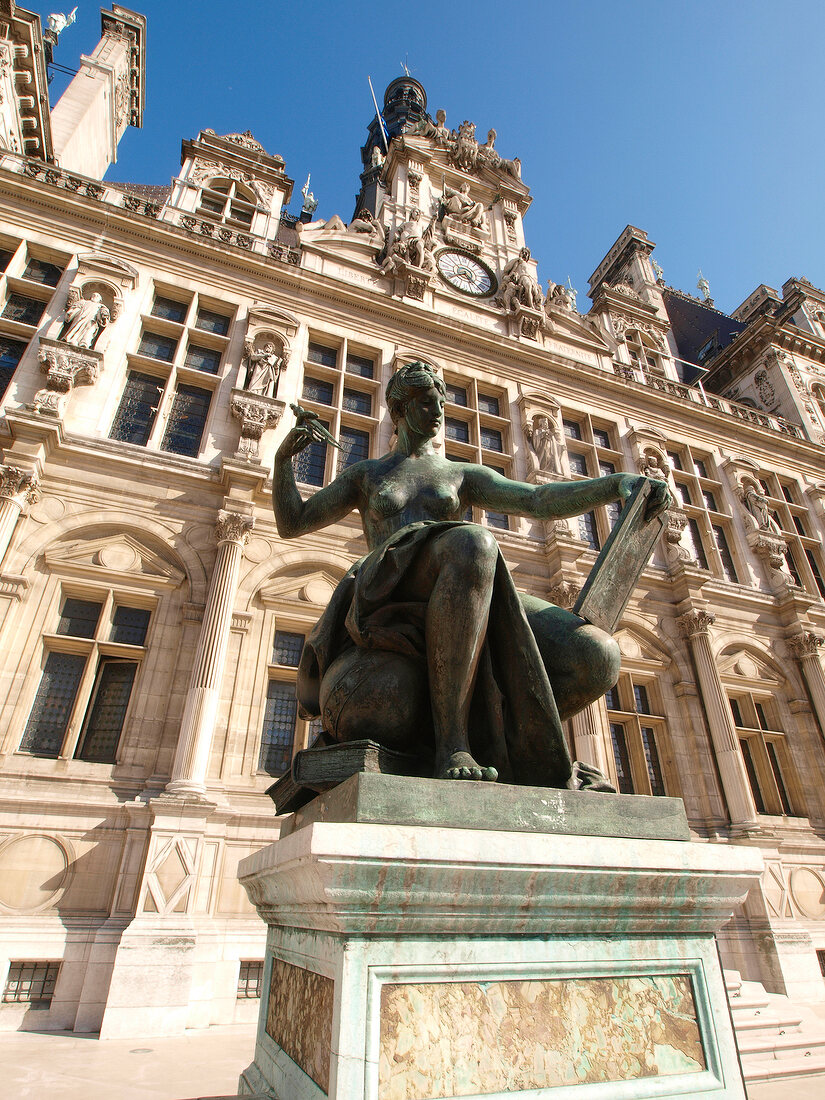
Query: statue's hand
(659, 498)
(295, 441)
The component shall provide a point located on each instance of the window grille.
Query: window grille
(187, 420)
(278, 734)
(138, 408)
(209, 321)
(358, 402)
(169, 309)
(326, 357)
(360, 365)
(459, 430)
(310, 464)
(155, 346)
(129, 625)
(456, 395)
(287, 648)
(31, 982)
(491, 439)
(110, 698)
(355, 446)
(205, 359)
(79, 618)
(27, 311)
(53, 704)
(316, 390)
(38, 271)
(488, 404)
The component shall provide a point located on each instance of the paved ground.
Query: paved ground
(204, 1064)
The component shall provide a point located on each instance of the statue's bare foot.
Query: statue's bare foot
(460, 765)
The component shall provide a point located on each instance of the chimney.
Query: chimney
(104, 98)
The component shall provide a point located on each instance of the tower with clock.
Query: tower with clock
(452, 190)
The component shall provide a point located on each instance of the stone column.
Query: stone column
(16, 487)
(741, 806)
(591, 737)
(805, 648)
(192, 756)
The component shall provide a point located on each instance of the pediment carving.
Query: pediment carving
(314, 587)
(749, 666)
(116, 272)
(635, 647)
(120, 555)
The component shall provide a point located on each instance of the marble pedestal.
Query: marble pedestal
(430, 940)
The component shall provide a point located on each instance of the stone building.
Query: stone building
(151, 339)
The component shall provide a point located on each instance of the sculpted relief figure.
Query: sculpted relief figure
(437, 130)
(86, 318)
(461, 206)
(263, 370)
(542, 435)
(558, 297)
(425, 645)
(412, 244)
(519, 285)
(757, 506)
(464, 151)
(366, 222)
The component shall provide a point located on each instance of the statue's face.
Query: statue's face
(491, 136)
(440, 117)
(425, 412)
(269, 348)
(95, 298)
(525, 253)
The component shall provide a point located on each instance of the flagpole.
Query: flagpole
(378, 116)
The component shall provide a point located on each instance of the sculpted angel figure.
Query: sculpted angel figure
(519, 285)
(461, 206)
(263, 370)
(425, 645)
(86, 318)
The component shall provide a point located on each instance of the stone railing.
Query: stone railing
(707, 400)
(107, 195)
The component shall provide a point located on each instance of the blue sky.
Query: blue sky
(700, 121)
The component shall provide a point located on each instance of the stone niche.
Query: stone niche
(512, 940)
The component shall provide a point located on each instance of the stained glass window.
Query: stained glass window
(488, 404)
(169, 310)
(327, 357)
(205, 359)
(355, 446)
(11, 352)
(78, 618)
(317, 390)
(38, 271)
(491, 439)
(129, 625)
(209, 321)
(287, 648)
(358, 402)
(155, 346)
(360, 365)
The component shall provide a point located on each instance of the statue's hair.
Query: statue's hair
(406, 382)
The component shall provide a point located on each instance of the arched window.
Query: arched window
(228, 201)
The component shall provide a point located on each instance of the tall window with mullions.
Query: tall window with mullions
(278, 734)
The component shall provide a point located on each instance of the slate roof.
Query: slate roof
(150, 192)
(695, 324)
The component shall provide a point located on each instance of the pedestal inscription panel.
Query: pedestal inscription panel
(468, 1038)
(299, 1018)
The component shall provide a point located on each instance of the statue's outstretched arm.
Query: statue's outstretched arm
(295, 516)
(556, 500)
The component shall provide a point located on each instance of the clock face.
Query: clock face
(466, 273)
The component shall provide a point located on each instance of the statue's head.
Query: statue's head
(96, 297)
(407, 382)
(415, 214)
(525, 253)
(491, 137)
(440, 116)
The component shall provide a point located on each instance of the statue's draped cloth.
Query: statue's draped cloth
(514, 723)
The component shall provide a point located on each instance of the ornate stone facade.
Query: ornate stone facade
(111, 493)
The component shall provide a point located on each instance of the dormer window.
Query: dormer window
(643, 355)
(228, 201)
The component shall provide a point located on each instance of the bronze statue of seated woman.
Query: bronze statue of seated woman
(426, 647)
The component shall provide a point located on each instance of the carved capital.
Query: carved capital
(771, 548)
(233, 527)
(805, 644)
(15, 482)
(564, 594)
(696, 622)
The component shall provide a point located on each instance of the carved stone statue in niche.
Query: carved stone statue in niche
(263, 369)
(411, 245)
(542, 435)
(756, 505)
(85, 319)
(462, 207)
(653, 464)
(519, 285)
